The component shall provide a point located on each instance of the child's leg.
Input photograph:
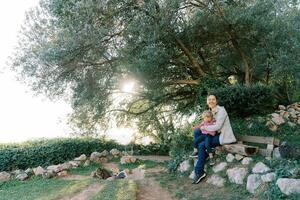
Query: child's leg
(208, 139)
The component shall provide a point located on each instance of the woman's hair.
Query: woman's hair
(212, 95)
(207, 113)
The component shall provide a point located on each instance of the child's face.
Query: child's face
(208, 118)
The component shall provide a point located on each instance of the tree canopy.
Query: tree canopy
(87, 48)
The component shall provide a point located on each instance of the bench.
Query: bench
(246, 145)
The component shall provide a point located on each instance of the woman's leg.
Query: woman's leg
(199, 168)
(197, 138)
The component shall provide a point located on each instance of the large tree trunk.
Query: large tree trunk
(196, 66)
(233, 38)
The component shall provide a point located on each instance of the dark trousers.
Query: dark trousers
(202, 154)
(200, 137)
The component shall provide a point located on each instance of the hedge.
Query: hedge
(55, 151)
(243, 101)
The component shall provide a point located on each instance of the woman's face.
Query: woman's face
(211, 101)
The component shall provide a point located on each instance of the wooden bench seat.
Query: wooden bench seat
(246, 145)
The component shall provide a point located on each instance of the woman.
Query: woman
(225, 136)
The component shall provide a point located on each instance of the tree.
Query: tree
(85, 48)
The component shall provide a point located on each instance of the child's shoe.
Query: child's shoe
(194, 155)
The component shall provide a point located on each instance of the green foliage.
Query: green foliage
(54, 151)
(48, 152)
(90, 47)
(118, 189)
(244, 101)
(181, 146)
(256, 126)
(151, 149)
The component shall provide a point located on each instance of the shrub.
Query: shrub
(180, 147)
(55, 151)
(47, 152)
(242, 101)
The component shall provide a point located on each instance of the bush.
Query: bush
(181, 146)
(47, 152)
(151, 149)
(55, 151)
(243, 101)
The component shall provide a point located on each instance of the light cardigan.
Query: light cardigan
(222, 125)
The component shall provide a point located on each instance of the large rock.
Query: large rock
(238, 157)
(216, 180)
(272, 126)
(66, 166)
(87, 163)
(230, 157)
(38, 171)
(74, 163)
(5, 176)
(55, 168)
(17, 172)
(237, 175)
(253, 183)
(277, 119)
(95, 156)
(29, 171)
(101, 173)
(281, 107)
(103, 160)
(260, 168)
(291, 124)
(104, 153)
(289, 186)
(114, 152)
(269, 177)
(184, 166)
(127, 159)
(192, 175)
(246, 161)
(62, 174)
(219, 167)
(81, 158)
(48, 174)
(21, 177)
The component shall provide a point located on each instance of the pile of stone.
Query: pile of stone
(60, 170)
(285, 114)
(127, 159)
(243, 171)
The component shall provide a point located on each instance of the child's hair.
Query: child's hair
(207, 113)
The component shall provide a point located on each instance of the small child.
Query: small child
(206, 136)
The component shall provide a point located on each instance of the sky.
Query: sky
(22, 115)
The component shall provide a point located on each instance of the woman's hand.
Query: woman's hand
(202, 128)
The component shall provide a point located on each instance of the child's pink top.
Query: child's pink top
(207, 124)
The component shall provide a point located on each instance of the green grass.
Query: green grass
(40, 189)
(117, 190)
(85, 171)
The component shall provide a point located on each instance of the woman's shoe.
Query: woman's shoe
(199, 177)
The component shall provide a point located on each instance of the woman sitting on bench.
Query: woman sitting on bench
(225, 136)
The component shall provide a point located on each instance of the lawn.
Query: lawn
(38, 188)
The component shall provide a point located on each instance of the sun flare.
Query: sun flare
(128, 87)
